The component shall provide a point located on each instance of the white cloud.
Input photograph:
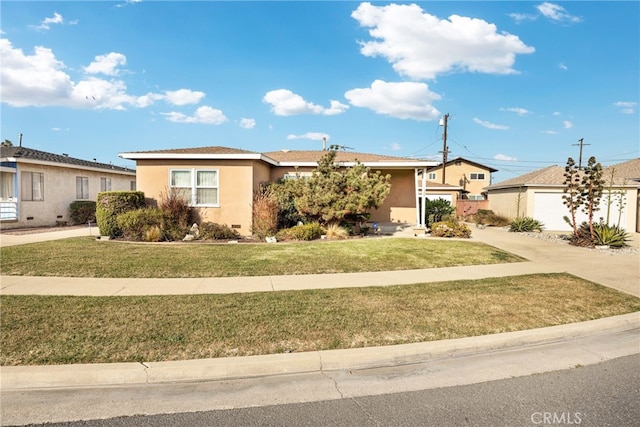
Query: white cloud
(519, 111)
(567, 124)
(550, 132)
(286, 103)
(45, 24)
(106, 64)
(247, 123)
(557, 13)
(626, 107)
(505, 158)
(396, 147)
(314, 136)
(557, 113)
(403, 100)
(184, 96)
(203, 115)
(562, 66)
(40, 79)
(521, 17)
(128, 2)
(490, 125)
(422, 46)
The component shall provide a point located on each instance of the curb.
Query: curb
(14, 378)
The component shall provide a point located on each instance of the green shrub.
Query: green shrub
(213, 231)
(83, 211)
(450, 228)
(488, 217)
(135, 225)
(112, 203)
(437, 210)
(610, 235)
(525, 224)
(177, 215)
(310, 231)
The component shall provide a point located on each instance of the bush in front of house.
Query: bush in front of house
(265, 213)
(525, 224)
(488, 217)
(83, 211)
(143, 224)
(213, 231)
(310, 231)
(450, 228)
(110, 204)
(177, 215)
(437, 210)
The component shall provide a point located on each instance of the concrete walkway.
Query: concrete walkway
(619, 271)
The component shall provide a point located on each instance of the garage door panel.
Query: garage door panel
(550, 210)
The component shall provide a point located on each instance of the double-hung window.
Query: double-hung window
(105, 184)
(431, 176)
(82, 187)
(476, 176)
(199, 187)
(32, 186)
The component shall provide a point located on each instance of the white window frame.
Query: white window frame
(82, 187)
(105, 184)
(431, 176)
(475, 197)
(192, 190)
(477, 176)
(29, 191)
(298, 175)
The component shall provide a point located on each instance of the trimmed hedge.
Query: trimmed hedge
(310, 231)
(83, 211)
(112, 203)
(135, 225)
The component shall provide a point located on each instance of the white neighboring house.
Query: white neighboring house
(36, 187)
(538, 194)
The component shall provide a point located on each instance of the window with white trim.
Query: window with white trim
(82, 187)
(477, 176)
(105, 184)
(431, 176)
(199, 187)
(32, 186)
(298, 175)
(476, 197)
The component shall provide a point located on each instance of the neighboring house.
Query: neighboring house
(470, 176)
(222, 181)
(538, 194)
(36, 187)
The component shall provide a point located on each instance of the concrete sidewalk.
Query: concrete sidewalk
(620, 271)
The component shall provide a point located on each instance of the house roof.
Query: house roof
(462, 159)
(625, 170)
(36, 156)
(277, 158)
(553, 176)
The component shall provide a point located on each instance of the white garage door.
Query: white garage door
(549, 209)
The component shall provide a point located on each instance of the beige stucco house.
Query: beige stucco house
(538, 194)
(471, 177)
(37, 187)
(222, 181)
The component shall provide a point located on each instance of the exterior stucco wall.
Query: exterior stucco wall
(59, 192)
(236, 185)
(400, 204)
(505, 202)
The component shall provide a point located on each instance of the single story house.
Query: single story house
(37, 187)
(222, 181)
(538, 194)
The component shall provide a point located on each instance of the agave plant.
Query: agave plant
(525, 224)
(609, 235)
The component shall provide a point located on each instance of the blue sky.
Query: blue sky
(521, 81)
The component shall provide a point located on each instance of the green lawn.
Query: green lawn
(64, 329)
(87, 257)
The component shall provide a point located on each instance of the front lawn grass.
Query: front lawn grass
(86, 257)
(66, 329)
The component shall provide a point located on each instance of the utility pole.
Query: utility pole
(445, 149)
(581, 140)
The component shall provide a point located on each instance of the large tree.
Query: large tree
(334, 193)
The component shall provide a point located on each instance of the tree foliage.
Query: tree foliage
(335, 194)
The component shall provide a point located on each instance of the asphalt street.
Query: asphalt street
(605, 394)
